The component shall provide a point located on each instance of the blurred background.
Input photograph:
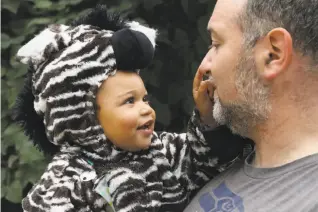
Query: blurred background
(181, 45)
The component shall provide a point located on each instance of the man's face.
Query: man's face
(240, 96)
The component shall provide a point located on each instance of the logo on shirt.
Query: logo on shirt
(221, 199)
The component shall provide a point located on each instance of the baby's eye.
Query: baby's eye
(146, 98)
(130, 100)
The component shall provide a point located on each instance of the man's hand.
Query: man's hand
(203, 92)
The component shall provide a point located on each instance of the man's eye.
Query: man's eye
(130, 100)
(214, 45)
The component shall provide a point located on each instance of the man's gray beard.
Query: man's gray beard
(218, 112)
(252, 107)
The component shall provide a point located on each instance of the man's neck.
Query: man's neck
(285, 138)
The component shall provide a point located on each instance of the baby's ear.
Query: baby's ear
(133, 49)
(44, 44)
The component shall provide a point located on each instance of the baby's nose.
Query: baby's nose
(145, 110)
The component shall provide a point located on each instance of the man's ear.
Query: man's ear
(277, 53)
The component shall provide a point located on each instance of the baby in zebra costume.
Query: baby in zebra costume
(84, 102)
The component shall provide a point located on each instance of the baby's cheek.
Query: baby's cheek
(128, 121)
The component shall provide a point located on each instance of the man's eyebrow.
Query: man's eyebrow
(212, 31)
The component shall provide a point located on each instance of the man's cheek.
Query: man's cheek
(227, 92)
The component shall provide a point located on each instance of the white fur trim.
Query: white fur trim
(149, 32)
(33, 51)
(40, 105)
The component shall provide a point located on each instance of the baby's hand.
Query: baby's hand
(203, 91)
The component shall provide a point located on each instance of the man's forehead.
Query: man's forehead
(226, 9)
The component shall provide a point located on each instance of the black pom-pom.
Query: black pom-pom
(102, 18)
(24, 115)
(132, 49)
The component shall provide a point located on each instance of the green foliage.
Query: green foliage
(182, 43)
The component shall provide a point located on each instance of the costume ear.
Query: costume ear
(149, 32)
(132, 49)
(44, 44)
(23, 114)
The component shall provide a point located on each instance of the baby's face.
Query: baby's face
(124, 111)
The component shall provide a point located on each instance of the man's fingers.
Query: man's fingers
(202, 93)
(203, 88)
(207, 86)
(210, 88)
(197, 80)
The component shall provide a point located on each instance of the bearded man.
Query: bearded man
(263, 61)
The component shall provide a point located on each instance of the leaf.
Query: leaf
(11, 5)
(37, 167)
(14, 192)
(39, 21)
(3, 191)
(210, 6)
(3, 71)
(12, 161)
(19, 140)
(125, 5)
(201, 48)
(163, 37)
(12, 97)
(72, 2)
(5, 144)
(28, 154)
(24, 175)
(42, 4)
(202, 22)
(5, 41)
(18, 26)
(152, 73)
(18, 39)
(150, 4)
(188, 105)
(181, 40)
(4, 121)
(174, 92)
(11, 130)
(185, 5)
(162, 109)
(3, 175)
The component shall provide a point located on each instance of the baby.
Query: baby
(83, 94)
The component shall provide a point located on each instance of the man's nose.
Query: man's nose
(205, 66)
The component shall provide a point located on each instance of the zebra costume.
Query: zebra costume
(57, 110)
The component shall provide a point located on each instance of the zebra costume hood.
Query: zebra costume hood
(67, 66)
(88, 173)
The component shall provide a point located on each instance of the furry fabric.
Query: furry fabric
(162, 178)
(89, 173)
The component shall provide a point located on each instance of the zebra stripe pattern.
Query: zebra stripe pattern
(70, 63)
(162, 178)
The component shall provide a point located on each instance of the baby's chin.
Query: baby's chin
(141, 145)
(146, 145)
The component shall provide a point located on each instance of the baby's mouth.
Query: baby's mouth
(146, 126)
